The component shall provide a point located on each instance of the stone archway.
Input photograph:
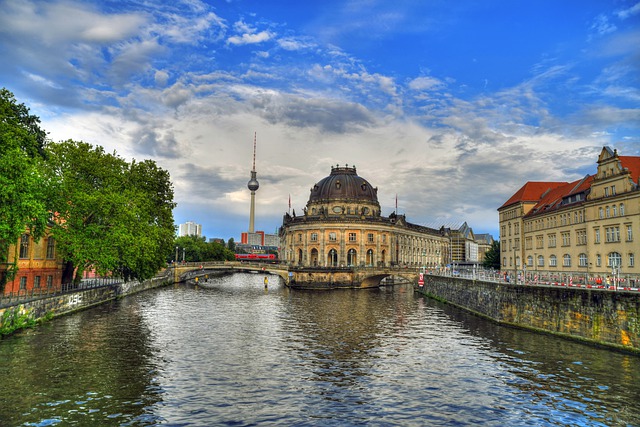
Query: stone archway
(332, 258)
(352, 257)
(369, 258)
(299, 256)
(313, 258)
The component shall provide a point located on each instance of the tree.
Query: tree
(231, 245)
(196, 249)
(492, 256)
(22, 196)
(112, 216)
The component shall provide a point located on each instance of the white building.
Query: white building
(190, 228)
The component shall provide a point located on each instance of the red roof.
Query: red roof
(553, 199)
(633, 164)
(531, 192)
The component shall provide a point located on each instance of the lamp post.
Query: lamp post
(515, 265)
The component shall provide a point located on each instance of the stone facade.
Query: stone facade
(589, 227)
(342, 226)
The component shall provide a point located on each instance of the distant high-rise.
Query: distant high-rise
(253, 186)
(190, 228)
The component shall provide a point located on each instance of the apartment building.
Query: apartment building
(589, 227)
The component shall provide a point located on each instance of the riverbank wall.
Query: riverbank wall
(29, 313)
(596, 316)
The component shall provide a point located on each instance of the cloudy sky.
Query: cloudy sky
(450, 105)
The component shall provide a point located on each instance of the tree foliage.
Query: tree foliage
(112, 215)
(22, 196)
(196, 249)
(492, 256)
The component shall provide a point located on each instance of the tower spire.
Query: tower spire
(253, 186)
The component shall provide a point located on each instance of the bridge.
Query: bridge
(298, 277)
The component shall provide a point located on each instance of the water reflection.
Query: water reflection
(231, 352)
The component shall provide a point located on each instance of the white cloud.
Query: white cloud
(248, 38)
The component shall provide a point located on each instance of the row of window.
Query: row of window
(36, 282)
(614, 259)
(612, 211)
(612, 235)
(25, 242)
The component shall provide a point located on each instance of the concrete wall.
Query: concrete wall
(597, 316)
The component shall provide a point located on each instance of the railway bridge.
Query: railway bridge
(299, 277)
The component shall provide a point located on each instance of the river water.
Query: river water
(235, 353)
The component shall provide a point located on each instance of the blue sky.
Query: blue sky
(451, 105)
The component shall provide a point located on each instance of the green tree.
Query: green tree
(112, 216)
(492, 256)
(231, 245)
(196, 249)
(22, 196)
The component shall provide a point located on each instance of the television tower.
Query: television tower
(253, 186)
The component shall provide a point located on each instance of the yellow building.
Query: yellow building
(38, 267)
(580, 230)
(342, 225)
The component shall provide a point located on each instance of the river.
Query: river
(237, 354)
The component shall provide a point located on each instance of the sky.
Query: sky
(448, 106)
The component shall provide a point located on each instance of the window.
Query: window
(581, 237)
(613, 190)
(566, 260)
(530, 261)
(299, 237)
(51, 248)
(332, 236)
(540, 261)
(352, 237)
(384, 238)
(621, 209)
(607, 212)
(36, 282)
(612, 234)
(553, 261)
(615, 260)
(598, 260)
(23, 282)
(631, 260)
(370, 237)
(24, 246)
(314, 237)
(629, 233)
(539, 242)
(614, 210)
(597, 235)
(601, 213)
(566, 239)
(49, 281)
(552, 240)
(606, 191)
(582, 260)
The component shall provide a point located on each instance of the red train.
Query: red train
(256, 257)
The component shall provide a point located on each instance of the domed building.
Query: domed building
(342, 225)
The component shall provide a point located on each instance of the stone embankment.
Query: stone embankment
(596, 316)
(29, 313)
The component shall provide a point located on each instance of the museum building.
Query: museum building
(342, 226)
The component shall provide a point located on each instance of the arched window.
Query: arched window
(566, 260)
(383, 258)
(300, 256)
(370, 257)
(332, 258)
(352, 257)
(553, 261)
(582, 260)
(615, 259)
(530, 261)
(313, 258)
(621, 209)
(540, 261)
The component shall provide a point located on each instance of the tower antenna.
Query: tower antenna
(255, 136)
